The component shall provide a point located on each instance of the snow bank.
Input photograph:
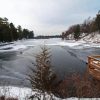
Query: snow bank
(92, 38)
(16, 92)
(23, 93)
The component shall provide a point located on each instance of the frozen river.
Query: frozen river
(67, 57)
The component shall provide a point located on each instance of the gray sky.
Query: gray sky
(48, 16)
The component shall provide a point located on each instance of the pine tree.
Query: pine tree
(43, 78)
(8, 31)
(20, 31)
(97, 20)
(77, 32)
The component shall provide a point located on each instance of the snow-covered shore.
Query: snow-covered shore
(24, 93)
(16, 92)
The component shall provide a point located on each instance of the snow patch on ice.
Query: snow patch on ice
(92, 38)
(21, 93)
(10, 48)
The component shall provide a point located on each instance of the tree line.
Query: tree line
(88, 26)
(47, 37)
(8, 31)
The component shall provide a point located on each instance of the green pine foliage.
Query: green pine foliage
(8, 31)
(77, 32)
(98, 21)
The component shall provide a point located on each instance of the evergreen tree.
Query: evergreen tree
(77, 32)
(20, 32)
(98, 21)
(5, 34)
(13, 31)
(8, 32)
(31, 35)
(25, 33)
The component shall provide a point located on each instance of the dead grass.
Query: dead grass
(79, 86)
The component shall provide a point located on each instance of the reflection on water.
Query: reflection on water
(65, 63)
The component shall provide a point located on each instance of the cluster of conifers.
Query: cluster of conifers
(8, 31)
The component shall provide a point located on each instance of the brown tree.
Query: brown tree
(43, 78)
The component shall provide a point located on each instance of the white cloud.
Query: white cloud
(45, 16)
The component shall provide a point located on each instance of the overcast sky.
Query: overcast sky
(48, 16)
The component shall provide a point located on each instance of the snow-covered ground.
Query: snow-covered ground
(16, 92)
(11, 47)
(25, 93)
(92, 38)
